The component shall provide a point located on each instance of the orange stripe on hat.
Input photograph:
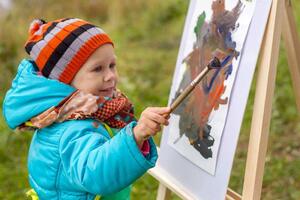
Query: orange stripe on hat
(55, 41)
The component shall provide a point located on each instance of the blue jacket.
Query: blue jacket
(74, 159)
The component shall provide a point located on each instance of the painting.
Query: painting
(218, 28)
(212, 115)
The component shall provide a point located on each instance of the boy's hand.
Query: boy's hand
(150, 123)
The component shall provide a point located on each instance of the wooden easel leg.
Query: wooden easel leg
(258, 141)
(163, 193)
(292, 46)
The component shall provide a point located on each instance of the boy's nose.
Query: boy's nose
(109, 75)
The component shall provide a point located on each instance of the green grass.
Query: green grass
(147, 36)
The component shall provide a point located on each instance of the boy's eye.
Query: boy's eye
(113, 65)
(97, 69)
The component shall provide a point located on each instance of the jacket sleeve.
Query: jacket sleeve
(102, 166)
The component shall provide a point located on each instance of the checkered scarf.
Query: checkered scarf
(116, 112)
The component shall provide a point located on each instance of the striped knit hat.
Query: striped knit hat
(59, 48)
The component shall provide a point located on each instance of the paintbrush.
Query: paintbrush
(213, 64)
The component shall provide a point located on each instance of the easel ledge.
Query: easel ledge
(167, 185)
(281, 15)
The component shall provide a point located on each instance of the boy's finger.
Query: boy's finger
(156, 118)
(166, 116)
(150, 124)
(161, 110)
(153, 125)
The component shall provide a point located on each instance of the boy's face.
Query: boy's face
(98, 75)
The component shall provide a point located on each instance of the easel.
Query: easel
(257, 149)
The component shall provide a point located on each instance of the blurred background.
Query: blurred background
(147, 36)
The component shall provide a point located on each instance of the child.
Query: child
(87, 142)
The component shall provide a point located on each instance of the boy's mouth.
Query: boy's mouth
(107, 91)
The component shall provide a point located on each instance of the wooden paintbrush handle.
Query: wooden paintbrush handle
(189, 89)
